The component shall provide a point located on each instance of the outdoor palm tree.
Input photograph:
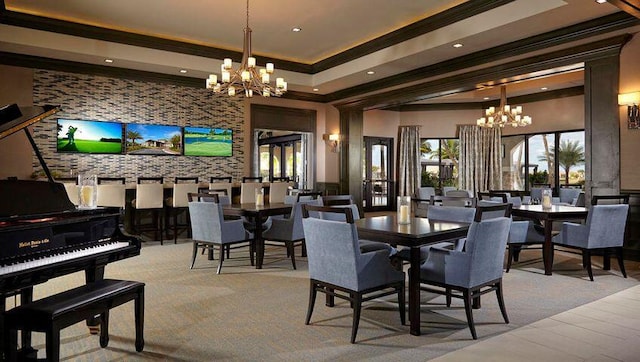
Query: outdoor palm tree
(133, 136)
(570, 154)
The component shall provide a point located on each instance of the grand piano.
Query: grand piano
(42, 233)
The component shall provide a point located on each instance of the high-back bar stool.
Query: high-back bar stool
(111, 192)
(179, 203)
(71, 186)
(149, 198)
(222, 183)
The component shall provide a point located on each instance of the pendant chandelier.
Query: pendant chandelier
(504, 115)
(247, 79)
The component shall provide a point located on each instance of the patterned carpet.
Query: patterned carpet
(246, 314)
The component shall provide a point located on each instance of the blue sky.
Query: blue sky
(90, 130)
(154, 132)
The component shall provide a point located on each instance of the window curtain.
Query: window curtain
(480, 167)
(408, 160)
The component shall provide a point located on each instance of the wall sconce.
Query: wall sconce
(631, 100)
(332, 141)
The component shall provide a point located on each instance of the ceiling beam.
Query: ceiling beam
(631, 7)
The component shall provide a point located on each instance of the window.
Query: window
(439, 162)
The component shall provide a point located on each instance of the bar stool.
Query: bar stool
(71, 186)
(278, 191)
(149, 198)
(179, 203)
(222, 183)
(248, 189)
(111, 192)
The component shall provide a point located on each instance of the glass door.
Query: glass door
(378, 184)
(281, 156)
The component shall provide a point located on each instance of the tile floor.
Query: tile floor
(605, 330)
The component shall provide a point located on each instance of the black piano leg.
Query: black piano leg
(92, 275)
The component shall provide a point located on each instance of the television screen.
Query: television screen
(200, 141)
(84, 136)
(153, 139)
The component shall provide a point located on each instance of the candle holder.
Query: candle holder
(260, 196)
(404, 210)
(88, 191)
(546, 199)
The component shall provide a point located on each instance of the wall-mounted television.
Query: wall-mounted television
(86, 136)
(202, 141)
(153, 139)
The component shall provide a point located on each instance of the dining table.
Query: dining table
(417, 233)
(257, 213)
(547, 215)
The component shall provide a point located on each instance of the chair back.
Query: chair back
(491, 210)
(142, 180)
(330, 200)
(485, 245)
(297, 231)
(446, 189)
(610, 199)
(227, 186)
(286, 179)
(252, 179)
(308, 195)
(111, 195)
(569, 195)
(203, 197)
(206, 221)
(223, 197)
(73, 192)
(451, 213)
(458, 193)
(180, 191)
(424, 193)
(248, 192)
(606, 225)
(536, 192)
(149, 196)
(278, 191)
(453, 201)
(223, 179)
(118, 180)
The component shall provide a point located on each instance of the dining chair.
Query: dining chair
(421, 201)
(278, 191)
(469, 273)
(111, 192)
(567, 196)
(288, 231)
(149, 198)
(178, 203)
(446, 189)
(458, 193)
(210, 229)
(610, 199)
(248, 192)
(252, 179)
(461, 201)
(338, 268)
(603, 232)
(219, 182)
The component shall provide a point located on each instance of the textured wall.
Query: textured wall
(127, 101)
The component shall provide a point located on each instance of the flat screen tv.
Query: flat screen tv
(85, 136)
(202, 141)
(153, 139)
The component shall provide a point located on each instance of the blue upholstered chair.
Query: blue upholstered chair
(288, 231)
(603, 231)
(209, 228)
(422, 199)
(338, 268)
(472, 272)
(567, 196)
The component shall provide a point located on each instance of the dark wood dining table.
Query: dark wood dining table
(547, 216)
(257, 213)
(419, 232)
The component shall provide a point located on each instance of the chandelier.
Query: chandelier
(504, 115)
(247, 79)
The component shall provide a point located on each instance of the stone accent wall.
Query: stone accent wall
(128, 101)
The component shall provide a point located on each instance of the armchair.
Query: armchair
(338, 268)
(603, 231)
(475, 271)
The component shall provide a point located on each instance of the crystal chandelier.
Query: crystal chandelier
(504, 115)
(247, 79)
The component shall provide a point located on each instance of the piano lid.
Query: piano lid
(14, 118)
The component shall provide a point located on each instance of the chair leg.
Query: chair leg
(195, 252)
(312, 301)
(621, 261)
(466, 294)
(291, 252)
(448, 296)
(357, 307)
(503, 310)
(401, 304)
(251, 252)
(221, 258)
(586, 256)
(509, 257)
(304, 250)
(175, 226)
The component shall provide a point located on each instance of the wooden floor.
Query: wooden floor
(605, 330)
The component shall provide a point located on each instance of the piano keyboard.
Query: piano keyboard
(52, 259)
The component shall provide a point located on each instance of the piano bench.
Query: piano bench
(53, 313)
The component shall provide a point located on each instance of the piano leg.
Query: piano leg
(92, 275)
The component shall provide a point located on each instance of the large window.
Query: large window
(439, 162)
(530, 160)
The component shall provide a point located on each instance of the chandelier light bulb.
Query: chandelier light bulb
(503, 115)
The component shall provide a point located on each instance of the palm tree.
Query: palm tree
(133, 136)
(570, 154)
(425, 148)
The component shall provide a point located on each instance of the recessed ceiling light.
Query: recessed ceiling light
(108, 60)
(315, 89)
(183, 71)
(296, 29)
(457, 45)
(486, 98)
(371, 72)
(544, 88)
(601, 1)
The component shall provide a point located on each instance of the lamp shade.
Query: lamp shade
(629, 99)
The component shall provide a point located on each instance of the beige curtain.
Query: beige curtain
(480, 167)
(408, 160)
